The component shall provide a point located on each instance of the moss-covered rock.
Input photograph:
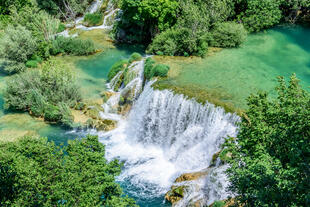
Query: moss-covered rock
(175, 194)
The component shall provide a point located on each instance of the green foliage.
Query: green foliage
(228, 34)
(35, 172)
(179, 41)
(16, 47)
(94, 19)
(134, 57)
(72, 46)
(143, 19)
(42, 25)
(151, 70)
(61, 28)
(148, 67)
(161, 70)
(6, 5)
(67, 10)
(218, 204)
(48, 92)
(259, 14)
(271, 154)
(117, 67)
(31, 64)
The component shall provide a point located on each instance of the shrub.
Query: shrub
(72, 46)
(151, 71)
(93, 19)
(228, 34)
(134, 57)
(46, 93)
(179, 41)
(148, 68)
(61, 28)
(52, 113)
(31, 64)
(161, 70)
(16, 47)
(218, 204)
(117, 67)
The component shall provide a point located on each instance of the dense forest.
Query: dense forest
(268, 159)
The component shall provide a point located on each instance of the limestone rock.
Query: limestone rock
(175, 194)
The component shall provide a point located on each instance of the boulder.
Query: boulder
(175, 194)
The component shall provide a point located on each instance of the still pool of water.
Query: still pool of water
(254, 66)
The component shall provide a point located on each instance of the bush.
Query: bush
(218, 204)
(228, 34)
(117, 67)
(61, 28)
(16, 47)
(148, 68)
(94, 19)
(161, 70)
(151, 71)
(31, 64)
(134, 57)
(72, 46)
(179, 41)
(52, 113)
(46, 93)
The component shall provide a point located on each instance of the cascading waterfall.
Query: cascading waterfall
(132, 89)
(108, 21)
(164, 136)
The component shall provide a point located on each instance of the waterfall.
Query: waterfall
(131, 90)
(164, 136)
(108, 21)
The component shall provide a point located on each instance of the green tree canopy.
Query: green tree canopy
(270, 163)
(143, 19)
(35, 172)
(16, 47)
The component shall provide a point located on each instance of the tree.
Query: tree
(16, 47)
(44, 93)
(270, 163)
(143, 19)
(228, 34)
(259, 14)
(36, 172)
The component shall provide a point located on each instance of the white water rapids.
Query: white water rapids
(164, 136)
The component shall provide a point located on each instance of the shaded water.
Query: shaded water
(235, 73)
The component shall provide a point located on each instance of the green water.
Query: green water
(91, 74)
(235, 73)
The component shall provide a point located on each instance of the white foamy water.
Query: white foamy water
(164, 136)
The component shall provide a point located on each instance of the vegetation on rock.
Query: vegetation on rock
(94, 19)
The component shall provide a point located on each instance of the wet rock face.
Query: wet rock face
(175, 194)
(191, 176)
